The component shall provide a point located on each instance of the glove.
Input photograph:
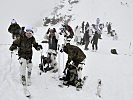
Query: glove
(12, 48)
(39, 47)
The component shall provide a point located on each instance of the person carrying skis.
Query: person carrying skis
(52, 37)
(24, 45)
(14, 29)
(77, 57)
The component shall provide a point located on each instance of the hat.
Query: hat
(28, 29)
(13, 21)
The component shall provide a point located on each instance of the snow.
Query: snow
(115, 71)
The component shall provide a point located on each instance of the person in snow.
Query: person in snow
(68, 32)
(109, 28)
(14, 29)
(24, 45)
(52, 37)
(78, 35)
(77, 57)
(87, 26)
(114, 34)
(83, 26)
(97, 28)
(86, 38)
(94, 41)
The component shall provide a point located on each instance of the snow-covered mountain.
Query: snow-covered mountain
(115, 71)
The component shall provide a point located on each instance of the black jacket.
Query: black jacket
(14, 29)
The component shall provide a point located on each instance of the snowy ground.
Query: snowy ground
(115, 71)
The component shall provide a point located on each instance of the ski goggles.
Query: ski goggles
(29, 31)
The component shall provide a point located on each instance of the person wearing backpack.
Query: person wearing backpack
(77, 57)
(14, 29)
(24, 45)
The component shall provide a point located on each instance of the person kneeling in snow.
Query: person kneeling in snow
(77, 57)
(24, 45)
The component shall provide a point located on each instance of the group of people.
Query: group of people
(88, 34)
(24, 41)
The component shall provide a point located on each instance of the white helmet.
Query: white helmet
(28, 29)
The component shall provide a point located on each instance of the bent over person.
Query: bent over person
(77, 57)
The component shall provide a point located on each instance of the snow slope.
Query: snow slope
(115, 71)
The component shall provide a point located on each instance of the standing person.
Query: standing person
(114, 34)
(67, 31)
(109, 28)
(98, 28)
(87, 38)
(52, 37)
(77, 57)
(24, 45)
(94, 41)
(86, 26)
(14, 29)
(78, 35)
(83, 25)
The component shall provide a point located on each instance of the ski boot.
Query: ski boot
(79, 85)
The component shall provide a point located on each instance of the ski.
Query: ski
(26, 92)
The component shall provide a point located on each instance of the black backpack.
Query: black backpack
(113, 51)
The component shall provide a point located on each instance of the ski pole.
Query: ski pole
(11, 61)
(130, 47)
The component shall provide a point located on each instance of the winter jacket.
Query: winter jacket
(86, 35)
(95, 38)
(75, 54)
(24, 45)
(14, 29)
(52, 42)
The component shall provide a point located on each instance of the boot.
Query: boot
(79, 84)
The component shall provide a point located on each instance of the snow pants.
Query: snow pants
(25, 65)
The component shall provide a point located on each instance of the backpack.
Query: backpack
(113, 51)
